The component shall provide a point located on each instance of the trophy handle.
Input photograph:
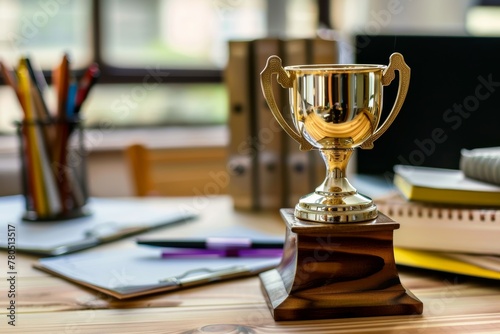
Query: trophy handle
(396, 63)
(273, 66)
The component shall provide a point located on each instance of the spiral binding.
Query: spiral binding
(397, 208)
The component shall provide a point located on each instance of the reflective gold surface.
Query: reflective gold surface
(335, 108)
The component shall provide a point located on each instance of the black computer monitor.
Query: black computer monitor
(453, 100)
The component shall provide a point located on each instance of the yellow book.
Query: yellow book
(437, 185)
(463, 264)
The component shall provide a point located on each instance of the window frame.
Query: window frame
(113, 74)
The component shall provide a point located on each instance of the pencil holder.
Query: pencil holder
(53, 162)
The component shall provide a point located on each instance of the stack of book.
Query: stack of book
(450, 219)
(267, 169)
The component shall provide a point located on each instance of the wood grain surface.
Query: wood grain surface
(47, 304)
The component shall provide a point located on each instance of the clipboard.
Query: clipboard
(110, 219)
(142, 271)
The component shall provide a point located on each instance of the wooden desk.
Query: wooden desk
(46, 304)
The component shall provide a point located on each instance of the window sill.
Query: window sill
(157, 137)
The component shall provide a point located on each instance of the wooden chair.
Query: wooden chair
(191, 171)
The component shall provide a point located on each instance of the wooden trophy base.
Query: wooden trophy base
(338, 270)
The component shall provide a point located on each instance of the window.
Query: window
(45, 29)
(42, 30)
(177, 34)
(162, 61)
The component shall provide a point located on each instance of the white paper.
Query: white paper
(108, 217)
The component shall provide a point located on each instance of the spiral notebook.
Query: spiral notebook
(445, 228)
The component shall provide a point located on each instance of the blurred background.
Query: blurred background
(162, 61)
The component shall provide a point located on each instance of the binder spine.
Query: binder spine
(269, 135)
(299, 179)
(242, 163)
(268, 171)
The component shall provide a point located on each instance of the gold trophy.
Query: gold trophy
(338, 256)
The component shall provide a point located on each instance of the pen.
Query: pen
(214, 243)
(211, 253)
(86, 83)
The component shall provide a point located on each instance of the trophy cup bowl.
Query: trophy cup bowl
(334, 109)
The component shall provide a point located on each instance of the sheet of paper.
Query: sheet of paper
(108, 217)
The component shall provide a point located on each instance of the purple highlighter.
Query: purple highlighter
(214, 253)
(217, 247)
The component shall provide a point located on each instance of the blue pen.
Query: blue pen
(71, 101)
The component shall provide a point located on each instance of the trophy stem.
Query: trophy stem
(336, 183)
(336, 200)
